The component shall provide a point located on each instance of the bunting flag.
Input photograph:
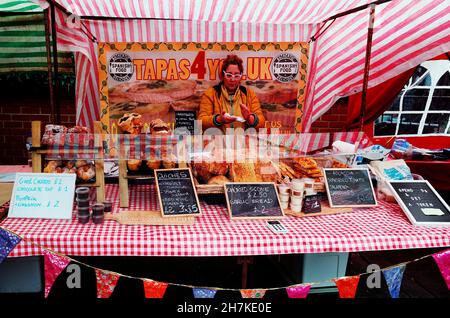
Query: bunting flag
(393, 277)
(442, 260)
(253, 293)
(106, 282)
(347, 286)
(299, 291)
(154, 289)
(8, 241)
(53, 266)
(204, 292)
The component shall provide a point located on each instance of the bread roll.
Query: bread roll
(221, 180)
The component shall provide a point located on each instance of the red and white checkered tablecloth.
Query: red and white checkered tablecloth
(214, 234)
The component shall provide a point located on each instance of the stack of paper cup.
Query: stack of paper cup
(283, 189)
(297, 188)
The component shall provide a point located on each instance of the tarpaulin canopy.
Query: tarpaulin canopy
(406, 33)
(22, 39)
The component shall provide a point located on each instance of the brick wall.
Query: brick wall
(334, 120)
(16, 116)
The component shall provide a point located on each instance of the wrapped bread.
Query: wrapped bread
(220, 180)
(206, 170)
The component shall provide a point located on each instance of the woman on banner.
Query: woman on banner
(229, 104)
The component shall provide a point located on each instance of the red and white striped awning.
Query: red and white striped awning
(406, 33)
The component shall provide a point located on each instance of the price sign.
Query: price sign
(186, 120)
(253, 200)
(421, 203)
(349, 188)
(43, 195)
(176, 191)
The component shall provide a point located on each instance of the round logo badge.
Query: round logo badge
(121, 67)
(285, 67)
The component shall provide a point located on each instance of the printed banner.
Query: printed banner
(158, 79)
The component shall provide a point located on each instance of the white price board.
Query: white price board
(42, 195)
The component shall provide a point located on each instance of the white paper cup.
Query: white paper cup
(284, 197)
(284, 205)
(297, 185)
(310, 191)
(295, 193)
(296, 200)
(283, 189)
(296, 207)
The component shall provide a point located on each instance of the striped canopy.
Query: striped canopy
(22, 39)
(406, 33)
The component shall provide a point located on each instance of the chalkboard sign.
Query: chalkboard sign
(43, 195)
(421, 203)
(186, 119)
(349, 188)
(176, 191)
(250, 200)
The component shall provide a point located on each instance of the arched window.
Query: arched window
(423, 105)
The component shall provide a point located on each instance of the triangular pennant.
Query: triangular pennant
(8, 241)
(252, 293)
(106, 282)
(154, 289)
(53, 266)
(393, 277)
(299, 291)
(442, 260)
(347, 286)
(204, 292)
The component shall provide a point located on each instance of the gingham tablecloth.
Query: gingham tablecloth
(214, 234)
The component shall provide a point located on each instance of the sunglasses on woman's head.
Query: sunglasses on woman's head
(232, 76)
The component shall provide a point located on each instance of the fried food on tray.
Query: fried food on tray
(243, 172)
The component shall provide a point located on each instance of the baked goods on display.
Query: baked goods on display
(134, 164)
(218, 180)
(131, 123)
(59, 135)
(159, 127)
(85, 170)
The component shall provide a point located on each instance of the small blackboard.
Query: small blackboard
(349, 188)
(176, 192)
(186, 119)
(421, 203)
(258, 200)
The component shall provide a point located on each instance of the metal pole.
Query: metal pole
(55, 64)
(49, 67)
(367, 65)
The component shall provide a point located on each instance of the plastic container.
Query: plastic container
(82, 193)
(108, 206)
(98, 209)
(83, 203)
(97, 219)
